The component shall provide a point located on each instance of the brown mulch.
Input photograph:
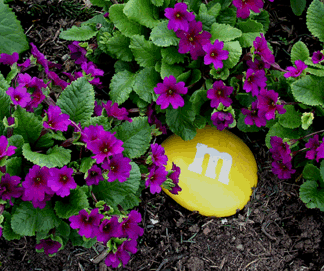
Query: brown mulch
(275, 231)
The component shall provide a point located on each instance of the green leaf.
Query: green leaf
(100, 120)
(83, 33)
(167, 70)
(214, 10)
(193, 5)
(183, 77)
(29, 126)
(145, 82)
(125, 25)
(121, 86)
(17, 141)
(99, 3)
(114, 193)
(180, 121)
(235, 51)
(307, 120)
(207, 21)
(130, 201)
(77, 240)
(321, 173)
(8, 232)
(315, 72)
(5, 100)
(26, 220)
(308, 90)
(311, 172)
(157, 3)
(299, 52)
(224, 32)
(195, 76)
(171, 56)
(140, 11)
(291, 119)
(136, 136)
(227, 16)
(72, 204)
(315, 19)
(312, 195)
(145, 52)
(12, 74)
(12, 37)
(246, 128)
(250, 30)
(13, 166)
(162, 36)
(198, 98)
(222, 73)
(77, 100)
(298, 6)
(263, 18)
(54, 157)
(86, 164)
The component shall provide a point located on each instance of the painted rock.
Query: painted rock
(218, 171)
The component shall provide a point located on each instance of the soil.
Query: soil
(275, 231)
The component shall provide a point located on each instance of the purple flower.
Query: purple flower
(90, 68)
(320, 151)
(87, 223)
(9, 187)
(57, 80)
(219, 94)
(41, 204)
(282, 170)
(106, 15)
(38, 97)
(61, 181)
(244, 7)
(222, 120)
(9, 59)
(215, 54)
(254, 116)
(261, 49)
(295, 72)
(0, 231)
(257, 65)
(179, 17)
(267, 102)
(118, 113)
(317, 57)
(94, 176)
(39, 57)
(24, 65)
(19, 96)
(92, 133)
(312, 144)
(36, 184)
(56, 120)
(192, 41)
(97, 109)
(170, 92)
(156, 177)
(152, 119)
(105, 146)
(280, 150)
(129, 225)
(121, 254)
(3, 147)
(119, 168)
(107, 229)
(158, 155)
(50, 246)
(77, 52)
(174, 176)
(254, 80)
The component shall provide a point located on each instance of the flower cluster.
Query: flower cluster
(244, 7)
(316, 149)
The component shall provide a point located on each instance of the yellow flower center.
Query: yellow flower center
(212, 54)
(170, 91)
(219, 92)
(105, 150)
(191, 39)
(17, 99)
(64, 178)
(178, 15)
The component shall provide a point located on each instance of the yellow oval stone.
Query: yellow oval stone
(218, 171)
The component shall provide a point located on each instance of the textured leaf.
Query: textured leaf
(7, 231)
(72, 204)
(198, 98)
(315, 72)
(207, 20)
(13, 166)
(145, 52)
(311, 172)
(250, 30)
(5, 100)
(77, 240)
(224, 32)
(83, 33)
(54, 157)
(86, 164)
(136, 136)
(312, 195)
(162, 36)
(298, 6)
(227, 16)
(121, 86)
(307, 120)
(77, 100)
(235, 51)
(193, 5)
(157, 3)
(12, 37)
(146, 80)
(299, 52)
(291, 119)
(171, 56)
(214, 10)
(315, 19)
(308, 90)
(100, 120)
(167, 70)
(263, 18)
(17, 141)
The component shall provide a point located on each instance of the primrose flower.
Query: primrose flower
(156, 177)
(9, 59)
(92, 133)
(257, 65)
(192, 41)
(39, 57)
(86, 223)
(254, 80)
(50, 246)
(97, 109)
(25, 80)
(121, 254)
(267, 102)
(130, 226)
(317, 57)
(222, 120)
(90, 68)
(179, 17)
(254, 116)
(170, 92)
(295, 72)
(215, 54)
(174, 176)
(282, 170)
(77, 52)
(0, 231)
(119, 168)
(320, 151)
(3, 147)
(118, 113)
(94, 176)
(152, 119)
(280, 150)
(57, 80)
(61, 181)
(19, 96)
(261, 48)
(312, 144)
(105, 146)
(56, 120)
(219, 94)
(9, 187)
(158, 155)
(244, 7)
(107, 229)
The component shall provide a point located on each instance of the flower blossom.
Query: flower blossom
(78, 53)
(61, 181)
(49, 246)
(121, 255)
(317, 57)
(3, 147)
(219, 94)
(244, 7)
(254, 80)
(267, 102)
(155, 178)
(280, 150)
(312, 144)
(56, 121)
(9, 59)
(9, 187)
(179, 17)
(130, 226)
(94, 176)
(107, 229)
(19, 96)
(118, 168)
(215, 54)
(261, 48)
(222, 120)
(118, 113)
(254, 115)
(295, 72)
(174, 176)
(158, 156)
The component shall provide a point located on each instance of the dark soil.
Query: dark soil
(275, 231)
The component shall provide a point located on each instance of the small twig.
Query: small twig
(99, 258)
(265, 232)
(178, 257)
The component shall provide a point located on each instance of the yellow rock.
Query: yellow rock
(218, 171)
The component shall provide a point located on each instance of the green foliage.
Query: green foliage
(171, 56)
(17, 141)
(224, 32)
(298, 6)
(4, 98)
(312, 195)
(312, 173)
(299, 52)
(7, 231)
(13, 166)
(83, 33)
(291, 119)
(315, 19)
(235, 51)
(163, 37)
(250, 30)
(121, 86)
(307, 120)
